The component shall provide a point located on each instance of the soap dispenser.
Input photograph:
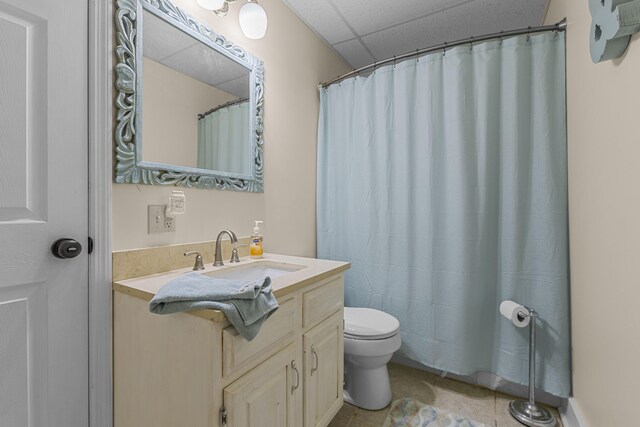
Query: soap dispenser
(255, 249)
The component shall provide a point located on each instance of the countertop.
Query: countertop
(146, 287)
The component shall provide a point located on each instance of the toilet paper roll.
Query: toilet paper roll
(510, 310)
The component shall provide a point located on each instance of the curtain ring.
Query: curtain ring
(471, 43)
(555, 33)
(417, 56)
(394, 62)
(501, 36)
(444, 49)
(529, 33)
(375, 64)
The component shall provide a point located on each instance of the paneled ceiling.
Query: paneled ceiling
(172, 48)
(366, 31)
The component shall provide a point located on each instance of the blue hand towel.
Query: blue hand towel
(246, 304)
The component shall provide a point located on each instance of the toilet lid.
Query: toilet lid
(367, 323)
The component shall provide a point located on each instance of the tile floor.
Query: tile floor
(477, 403)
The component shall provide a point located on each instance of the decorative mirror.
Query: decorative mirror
(189, 102)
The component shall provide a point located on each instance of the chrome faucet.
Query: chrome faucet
(234, 240)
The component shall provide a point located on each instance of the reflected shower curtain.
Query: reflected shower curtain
(443, 181)
(224, 141)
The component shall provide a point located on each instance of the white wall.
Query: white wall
(295, 62)
(604, 217)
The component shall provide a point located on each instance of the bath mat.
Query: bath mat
(412, 413)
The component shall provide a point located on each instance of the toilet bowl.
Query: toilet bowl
(370, 339)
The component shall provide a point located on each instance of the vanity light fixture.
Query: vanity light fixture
(253, 20)
(212, 4)
(252, 16)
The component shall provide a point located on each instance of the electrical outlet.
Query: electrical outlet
(169, 223)
(157, 220)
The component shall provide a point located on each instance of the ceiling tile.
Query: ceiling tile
(354, 52)
(484, 17)
(162, 40)
(207, 65)
(390, 28)
(238, 87)
(322, 19)
(367, 16)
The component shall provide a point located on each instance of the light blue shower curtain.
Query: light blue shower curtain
(224, 139)
(443, 181)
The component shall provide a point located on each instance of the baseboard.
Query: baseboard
(570, 414)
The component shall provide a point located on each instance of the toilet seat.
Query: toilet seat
(371, 348)
(369, 324)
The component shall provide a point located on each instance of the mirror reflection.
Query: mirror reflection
(196, 103)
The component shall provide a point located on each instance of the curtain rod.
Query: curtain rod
(219, 107)
(560, 26)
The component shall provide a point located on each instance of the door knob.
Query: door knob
(66, 248)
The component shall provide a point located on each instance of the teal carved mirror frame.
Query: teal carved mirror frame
(129, 165)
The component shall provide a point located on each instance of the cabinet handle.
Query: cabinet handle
(293, 366)
(315, 356)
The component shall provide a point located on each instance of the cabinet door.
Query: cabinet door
(323, 372)
(265, 397)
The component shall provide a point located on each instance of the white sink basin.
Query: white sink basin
(256, 271)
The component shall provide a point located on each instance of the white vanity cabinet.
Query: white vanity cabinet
(193, 369)
(323, 351)
(264, 397)
(323, 373)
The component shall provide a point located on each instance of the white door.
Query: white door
(43, 197)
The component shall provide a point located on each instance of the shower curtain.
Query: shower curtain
(443, 180)
(224, 141)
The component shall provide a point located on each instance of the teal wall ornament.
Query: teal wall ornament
(612, 24)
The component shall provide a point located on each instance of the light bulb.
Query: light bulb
(211, 4)
(253, 20)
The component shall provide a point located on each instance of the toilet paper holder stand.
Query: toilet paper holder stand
(528, 412)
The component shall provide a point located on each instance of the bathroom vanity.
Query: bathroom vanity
(194, 369)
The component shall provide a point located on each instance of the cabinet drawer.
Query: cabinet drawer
(322, 302)
(276, 332)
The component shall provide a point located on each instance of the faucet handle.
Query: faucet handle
(198, 265)
(234, 253)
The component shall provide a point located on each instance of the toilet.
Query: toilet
(370, 339)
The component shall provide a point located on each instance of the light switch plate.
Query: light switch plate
(157, 220)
